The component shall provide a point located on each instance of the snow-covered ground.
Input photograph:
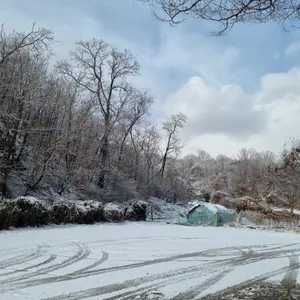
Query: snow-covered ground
(127, 261)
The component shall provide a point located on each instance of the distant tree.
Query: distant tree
(138, 106)
(227, 13)
(285, 177)
(173, 145)
(151, 152)
(248, 175)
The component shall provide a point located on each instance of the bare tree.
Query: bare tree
(173, 145)
(137, 108)
(150, 148)
(249, 173)
(285, 176)
(102, 71)
(22, 69)
(225, 12)
(36, 40)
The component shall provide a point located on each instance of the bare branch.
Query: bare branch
(226, 12)
(35, 40)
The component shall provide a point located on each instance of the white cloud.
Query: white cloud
(226, 119)
(176, 52)
(191, 53)
(279, 86)
(217, 111)
(222, 116)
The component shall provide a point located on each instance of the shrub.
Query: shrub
(23, 212)
(28, 211)
(113, 213)
(136, 211)
(92, 212)
(64, 212)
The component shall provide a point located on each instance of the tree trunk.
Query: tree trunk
(136, 167)
(164, 165)
(3, 186)
(104, 158)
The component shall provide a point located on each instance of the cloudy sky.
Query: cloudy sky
(241, 90)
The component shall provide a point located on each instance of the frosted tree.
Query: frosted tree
(102, 71)
(173, 145)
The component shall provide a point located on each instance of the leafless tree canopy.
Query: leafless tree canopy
(81, 130)
(227, 12)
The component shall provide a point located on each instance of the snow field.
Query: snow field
(123, 261)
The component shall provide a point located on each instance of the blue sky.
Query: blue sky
(223, 84)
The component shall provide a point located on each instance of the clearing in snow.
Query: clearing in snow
(147, 261)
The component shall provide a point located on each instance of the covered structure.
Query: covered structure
(207, 214)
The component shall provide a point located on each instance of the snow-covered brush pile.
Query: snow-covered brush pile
(78, 212)
(250, 204)
(113, 213)
(136, 211)
(23, 212)
(245, 203)
(31, 212)
(91, 211)
(64, 212)
(275, 219)
(282, 218)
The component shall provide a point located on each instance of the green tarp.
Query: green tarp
(209, 215)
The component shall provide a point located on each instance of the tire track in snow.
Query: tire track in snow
(115, 287)
(290, 279)
(290, 276)
(166, 279)
(23, 258)
(85, 272)
(143, 291)
(82, 253)
(196, 290)
(47, 261)
(104, 258)
(70, 276)
(163, 279)
(182, 296)
(198, 270)
(258, 279)
(170, 278)
(124, 241)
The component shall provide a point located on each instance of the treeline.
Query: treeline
(273, 179)
(79, 128)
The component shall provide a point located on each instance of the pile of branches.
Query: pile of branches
(250, 204)
(281, 217)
